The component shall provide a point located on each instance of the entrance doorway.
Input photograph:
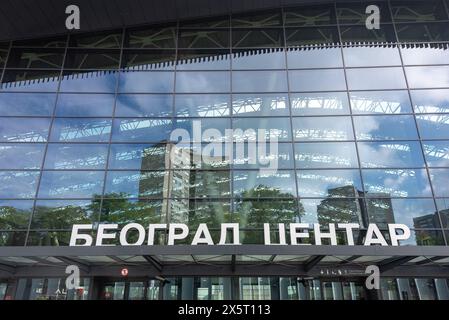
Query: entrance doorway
(132, 289)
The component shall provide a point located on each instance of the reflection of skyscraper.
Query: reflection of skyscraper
(380, 210)
(430, 221)
(343, 205)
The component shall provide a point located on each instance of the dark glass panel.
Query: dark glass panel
(437, 153)
(270, 18)
(428, 77)
(18, 184)
(430, 101)
(30, 80)
(94, 81)
(390, 154)
(436, 54)
(380, 102)
(331, 210)
(355, 13)
(329, 183)
(420, 32)
(362, 34)
(141, 130)
(15, 238)
(24, 130)
(21, 156)
(148, 59)
(143, 105)
(325, 103)
(35, 58)
(253, 155)
(85, 105)
(144, 212)
(138, 156)
(146, 82)
(396, 183)
(371, 56)
(25, 104)
(80, 130)
(15, 214)
(214, 22)
(4, 48)
(152, 38)
(48, 238)
(310, 15)
(324, 57)
(57, 42)
(311, 36)
(211, 105)
(203, 38)
(376, 78)
(92, 59)
(433, 126)
(259, 81)
(317, 80)
(261, 184)
(326, 155)
(76, 156)
(439, 178)
(62, 214)
(260, 105)
(71, 184)
(322, 128)
(203, 82)
(203, 59)
(385, 128)
(258, 59)
(257, 38)
(425, 238)
(97, 40)
(274, 128)
(418, 11)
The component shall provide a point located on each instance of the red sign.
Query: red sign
(124, 272)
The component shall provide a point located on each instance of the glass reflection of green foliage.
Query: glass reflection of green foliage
(61, 217)
(338, 211)
(48, 238)
(13, 218)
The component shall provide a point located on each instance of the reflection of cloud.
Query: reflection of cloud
(18, 184)
(430, 100)
(428, 77)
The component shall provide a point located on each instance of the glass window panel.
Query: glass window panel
(351, 34)
(198, 156)
(201, 125)
(433, 126)
(315, 57)
(317, 80)
(214, 22)
(319, 103)
(309, 15)
(311, 36)
(62, 214)
(322, 128)
(326, 155)
(423, 32)
(355, 13)
(25, 104)
(92, 59)
(257, 19)
(24, 130)
(329, 183)
(259, 59)
(48, 238)
(146, 82)
(380, 102)
(259, 81)
(15, 214)
(195, 211)
(396, 183)
(35, 58)
(385, 128)
(260, 105)
(415, 213)
(428, 77)
(138, 157)
(37, 81)
(390, 154)
(437, 153)
(81, 130)
(203, 59)
(330, 210)
(18, 184)
(155, 130)
(144, 105)
(443, 210)
(148, 59)
(200, 184)
(203, 38)
(257, 184)
(76, 156)
(252, 155)
(274, 128)
(134, 184)
(122, 211)
(21, 156)
(71, 184)
(428, 55)
(430, 101)
(95, 81)
(56, 42)
(439, 178)
(371, 56)
(15, 238)
(4, 48)
(97, 40)
(375, 78)
(152, 38)
(85, 105)
(211, 105)
(257, 38)
(202, 82)
(416, 11)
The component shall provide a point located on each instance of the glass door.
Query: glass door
(131, 289)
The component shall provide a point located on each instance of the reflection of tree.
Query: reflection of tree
(13, 218)
(428, 237)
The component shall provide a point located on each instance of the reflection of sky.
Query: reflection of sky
(319, 103)
(428, 77)
(421, 55)
(212, 105)
(259, 81)
(22, 156)
(26, 104)
(317, 80)
(24, 130)
(425, 101)
(146, 82)
(17, 184)
(76, 156)
(326, 154)
(380, 102)
(93, 130)
(437, 153)
(283, 181)
(381, 154)
(433, 126)
(319, 183)
(85, 105)
(371, 56)
(385, 127)
(314, 58)
(135, 184)
(96, 81)
(322, 128)
(71, 184)
(140, 105)
(440, 178)
(202, 82)
(375, 78)
(268, 60)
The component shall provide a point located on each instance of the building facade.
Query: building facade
(361, 123)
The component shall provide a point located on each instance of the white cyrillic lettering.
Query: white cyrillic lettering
(348, 230)
(267, 237)
(329, 235)
(379, 239)
(198, 238)
(235, 233)
(172, 235)
(151, 230)
(140, 229)
(394, 236)
(75, 236)
(101, 235)
(294, 234)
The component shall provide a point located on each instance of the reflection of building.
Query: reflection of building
(380, 210)
(342, 205)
